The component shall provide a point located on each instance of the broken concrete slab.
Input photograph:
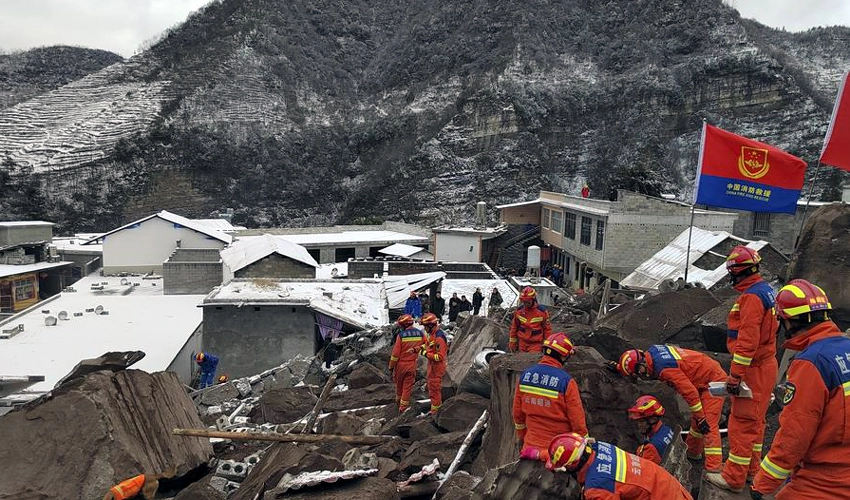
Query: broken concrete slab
(283, 405)
(219, 394)
(113, 361)
(355, 459)
(422, 428)
(341, 423)
(461, 412)
(387, 467)
(526, 480)
(366, 374)
(96, 431)
(373, 395)
(458, 487)
(443, 447)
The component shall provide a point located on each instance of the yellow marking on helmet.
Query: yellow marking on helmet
(557, 455)
(797, 291)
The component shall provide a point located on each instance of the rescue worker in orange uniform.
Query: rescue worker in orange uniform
(547, 401)
(606, 472)
(141, 486)
(751, 339)
(655, 435)
(811, 448)
(403, 360)
(436, 349)
(530, 326)
(689, 373)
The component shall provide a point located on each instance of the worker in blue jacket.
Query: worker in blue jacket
(413, 306)
(208, 364)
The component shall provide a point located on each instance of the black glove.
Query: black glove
(612, 365)
(755, 494)
(702, 426)
(733, 385)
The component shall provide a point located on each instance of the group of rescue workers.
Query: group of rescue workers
(809, 454)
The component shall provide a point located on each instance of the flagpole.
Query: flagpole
(806, 207)
(696, 195)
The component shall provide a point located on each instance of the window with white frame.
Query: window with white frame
(546, 213)
(557, 221)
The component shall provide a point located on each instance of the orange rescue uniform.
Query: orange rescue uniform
(655, 444)
(436, 350)
(403, 364)
(689, 373)
(814, 428)
(128, 488)
(529, 328)
(613, 474)
(751, 339)
(547, 403)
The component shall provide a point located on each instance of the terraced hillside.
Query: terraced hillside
(317, 112)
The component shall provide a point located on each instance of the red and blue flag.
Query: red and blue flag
(740, 173)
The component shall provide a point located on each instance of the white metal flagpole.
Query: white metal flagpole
(693, 205)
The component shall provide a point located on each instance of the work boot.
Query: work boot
(695, 458)
(716, 479)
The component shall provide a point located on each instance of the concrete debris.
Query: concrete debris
(283, 405)
(213, 489)
(524, 479)
(443, 447)
(232, 470)
(341, 423)
(421, 429)
(458, 487)
(310, 479)
(354, 459)
(366, 374)
(373, 395)
(477, 334)
(461, 412)
(96, 431)
(367, 488)
(219, 394)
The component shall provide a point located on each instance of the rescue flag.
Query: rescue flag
(836, 145)
(740, 173)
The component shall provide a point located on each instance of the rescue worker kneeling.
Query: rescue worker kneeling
(655, 435)
(606, 472)
(547, 400)
(436, 349)
(403, 360)
(810, 450)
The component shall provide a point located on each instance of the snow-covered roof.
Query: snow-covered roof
(140, 318)
(75, 242)
(245, 252)
(25, 223)
(484, 232)
(361, 303)
(11, 270)
(174, 219)
(222, 225)
(520, 204)
(351, 237)
(400, 286)
(669, 262)
(403, 250)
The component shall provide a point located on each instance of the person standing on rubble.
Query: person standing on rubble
(454, 307)
(436, 350)
(208, 364)
(751, 340)
(477, 301)
(655, 435)
(403, 360)
(547, 401)
(689, 373)
(606, 472)
(439, 306)
(530, 324)
(413, 306)
(810, 450)
(495, 299)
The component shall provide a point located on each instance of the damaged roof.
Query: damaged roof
(669, 262)
(245, 252)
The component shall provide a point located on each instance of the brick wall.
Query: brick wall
(190, 278)
(195, 255)
(276, 266)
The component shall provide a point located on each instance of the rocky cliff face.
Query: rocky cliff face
(328, 111)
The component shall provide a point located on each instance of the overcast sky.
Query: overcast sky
(123, 25)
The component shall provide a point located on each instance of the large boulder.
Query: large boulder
(441, 446)
(283, 405)
(341, 423)
(605, 397)
(374, 395)
(461, 412)
(477, 334)
(823, 257)
(96, 431)
(366, 374)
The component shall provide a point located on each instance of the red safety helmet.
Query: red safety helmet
(629, 362)
(405, 321)
(527, 294)
(199, 358)
(430, 319)
(566, 451)
(800, 297)
(222, 379)
(742, 258)
(645, 407)
(558, 346)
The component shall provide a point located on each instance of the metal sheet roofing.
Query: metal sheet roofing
(669, 262)
(245, 252)
(399, 287)
(12, 270)
(402, 250)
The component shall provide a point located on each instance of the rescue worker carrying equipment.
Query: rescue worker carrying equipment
(810, 450)
(208, 364)
(530, 325)
(403, 360)
(436, 349)
(689, 373)
(547, 400)
(751, 340)
(606, 472)
(655, 435)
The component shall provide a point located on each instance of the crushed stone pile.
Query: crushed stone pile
(823, 257)
(95, 431)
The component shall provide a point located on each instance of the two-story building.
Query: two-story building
(593, 239)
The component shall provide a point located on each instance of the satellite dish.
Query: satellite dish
(63, 315)
(50, 321)
(98, 310)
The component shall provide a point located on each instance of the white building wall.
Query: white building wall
(145, 247)
(184, 363)
(458, 247)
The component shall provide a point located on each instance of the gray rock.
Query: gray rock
(461, 412)
(366, 374)
(219, 394)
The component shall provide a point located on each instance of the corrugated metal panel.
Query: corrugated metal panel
(310, 479)
(669, 262)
